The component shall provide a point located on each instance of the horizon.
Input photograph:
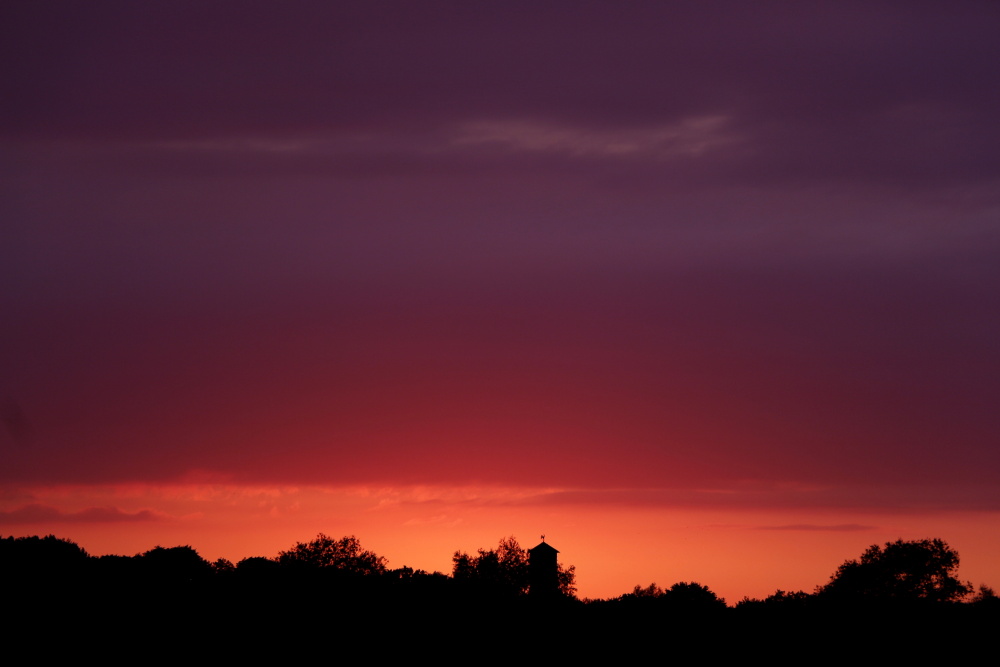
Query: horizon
(702, 292)
(766, 571)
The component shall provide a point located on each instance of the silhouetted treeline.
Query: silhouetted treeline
(904, 588)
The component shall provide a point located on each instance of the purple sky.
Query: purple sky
(656, 246)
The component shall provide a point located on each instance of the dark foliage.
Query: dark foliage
(47, 554)
(900, 572)
(682, 596)
(41, 565)
(779, 601)
(174, 592)
(504, 571)
(344, 555)
(174, 565)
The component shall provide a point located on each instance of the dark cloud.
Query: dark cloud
(850, 91)
(751, 496)
(38, 513)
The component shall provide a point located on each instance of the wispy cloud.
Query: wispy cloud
(688, 137)
(836, 528)
(38, 512)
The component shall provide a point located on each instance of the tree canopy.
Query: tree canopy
(33, 561)
(902, 571)
(504, 570)
(687, 596)
(345, 554)
(173, 564)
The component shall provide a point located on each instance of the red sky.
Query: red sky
(702, 291)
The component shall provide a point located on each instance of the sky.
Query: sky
(700, 291)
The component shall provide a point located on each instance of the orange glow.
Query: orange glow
(736, 553)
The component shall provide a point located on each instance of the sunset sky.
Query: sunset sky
(700, 290)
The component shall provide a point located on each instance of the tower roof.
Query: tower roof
(544, 547)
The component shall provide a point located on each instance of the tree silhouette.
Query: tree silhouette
(223, 566)
(504, 570)
(32, 562)
(986, 597)
(693, 596)
(901, 571)
(792, 601)
(173, 565)
(682, 596)
(344, 555)
(44, 554)
(651, 591)
(567, 580)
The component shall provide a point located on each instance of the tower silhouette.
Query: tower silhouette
(543, 570)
